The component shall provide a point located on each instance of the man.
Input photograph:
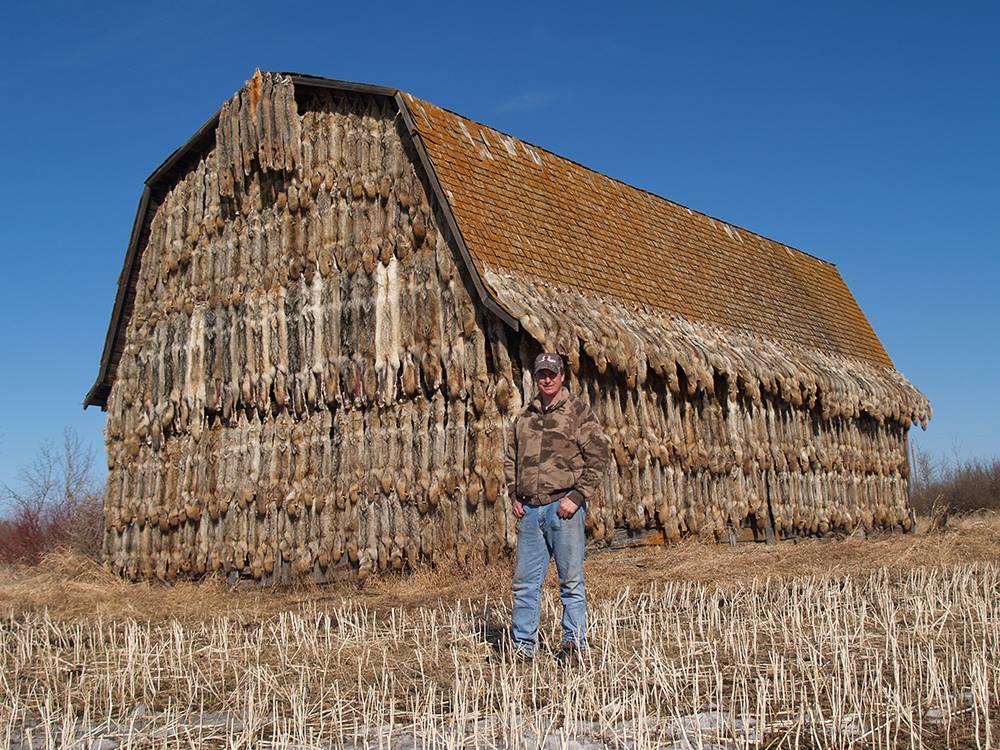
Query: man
(555, 457)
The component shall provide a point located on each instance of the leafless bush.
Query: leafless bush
(958, 487)
(56, 503)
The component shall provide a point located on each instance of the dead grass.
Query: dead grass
(879, 643)
(70, 586)
(973, 537)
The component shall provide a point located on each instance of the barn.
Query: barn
(325, 318)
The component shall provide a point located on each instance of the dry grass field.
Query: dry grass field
(879, 643)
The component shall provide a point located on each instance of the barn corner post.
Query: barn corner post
(325, 320)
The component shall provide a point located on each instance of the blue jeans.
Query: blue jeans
(542, 535)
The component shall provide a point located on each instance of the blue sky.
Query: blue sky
(866, 134)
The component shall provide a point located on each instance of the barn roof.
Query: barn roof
(520, 212)
(524, 209)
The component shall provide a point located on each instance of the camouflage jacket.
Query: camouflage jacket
(557, 451)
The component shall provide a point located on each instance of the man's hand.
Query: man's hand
(566, 508)
(518, 507)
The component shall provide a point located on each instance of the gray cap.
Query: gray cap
(548, 361)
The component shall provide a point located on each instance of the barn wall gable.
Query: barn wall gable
(304, 378)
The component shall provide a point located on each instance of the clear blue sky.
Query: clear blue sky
(864, 133)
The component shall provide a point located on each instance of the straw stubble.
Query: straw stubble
(882, 658)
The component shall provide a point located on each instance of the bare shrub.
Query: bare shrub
(940, 487)
(57, 502)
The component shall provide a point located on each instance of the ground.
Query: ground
(878, 642)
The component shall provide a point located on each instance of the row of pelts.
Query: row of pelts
(701, 461)
(258, 129)
(322, 305)
(686, 467)
(707, 431)
(650, 495)
(353, 201)
(692, 355)
(380, 488)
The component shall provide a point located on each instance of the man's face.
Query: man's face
(549, 382)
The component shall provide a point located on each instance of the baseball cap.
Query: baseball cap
(548, 361)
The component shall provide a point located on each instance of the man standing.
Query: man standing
(555, 457)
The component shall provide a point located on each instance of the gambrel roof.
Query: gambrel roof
(523, 209)
(521, 214)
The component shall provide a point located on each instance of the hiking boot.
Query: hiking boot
(569, 655)
(520, 656)
(507, 651)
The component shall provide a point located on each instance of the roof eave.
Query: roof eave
(98, 393)
(487, 297)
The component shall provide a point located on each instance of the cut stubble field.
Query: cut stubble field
(878, 643)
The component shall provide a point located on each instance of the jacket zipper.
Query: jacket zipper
(541, 446)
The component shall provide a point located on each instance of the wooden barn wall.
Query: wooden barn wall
(307, 385)
(704, 463)
(304, 380)
(689, 459)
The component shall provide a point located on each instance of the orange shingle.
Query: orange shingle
(518, 210)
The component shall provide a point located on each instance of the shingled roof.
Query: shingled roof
(523, 209)
(524, 215)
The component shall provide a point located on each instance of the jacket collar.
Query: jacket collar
(557, 402)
